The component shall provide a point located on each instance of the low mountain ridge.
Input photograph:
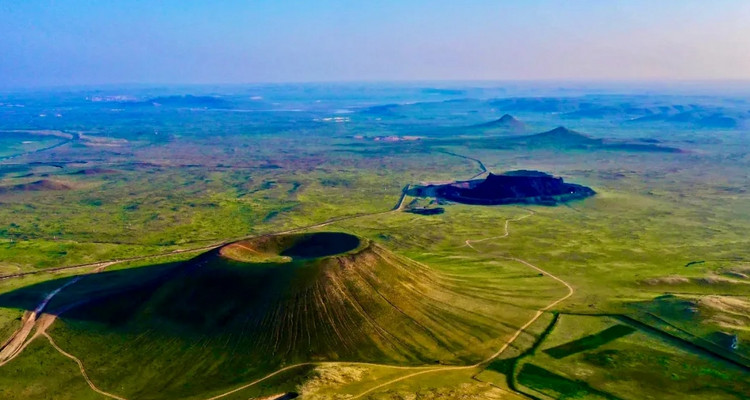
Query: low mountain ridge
(37, 186)
(562, 138)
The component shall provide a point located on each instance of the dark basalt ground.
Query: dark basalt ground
(528, 187)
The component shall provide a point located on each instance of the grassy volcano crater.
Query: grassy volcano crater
(296, 247)
(256, 305)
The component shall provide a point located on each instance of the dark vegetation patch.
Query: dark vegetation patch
(295, 187)
(701, 118)
(384, 110)
(591, 341)
(92, 202)
(271, 215)
(94, 171)
(275, 213)
(266, 185)
(540, 379)
(336, 182)
(426, 211)
(13, 168)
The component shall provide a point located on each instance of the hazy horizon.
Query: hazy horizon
(75, 42)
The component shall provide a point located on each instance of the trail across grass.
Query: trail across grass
(507, 343)
(83, 370)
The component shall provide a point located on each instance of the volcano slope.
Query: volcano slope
(247, 309)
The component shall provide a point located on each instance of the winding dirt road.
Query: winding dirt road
(83, 371)
(507, 343)
(504, 235)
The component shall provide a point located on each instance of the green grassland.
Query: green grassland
(55, 377)
(610, 367)
(193, 322)
(657, 259)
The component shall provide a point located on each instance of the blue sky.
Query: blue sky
(72, 42)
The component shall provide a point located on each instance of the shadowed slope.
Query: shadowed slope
(214, 322)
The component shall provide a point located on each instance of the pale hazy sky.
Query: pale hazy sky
(72, 42)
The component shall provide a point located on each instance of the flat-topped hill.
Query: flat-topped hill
(522, 186)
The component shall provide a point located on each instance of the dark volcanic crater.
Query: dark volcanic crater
(321, 244)
(523, 186)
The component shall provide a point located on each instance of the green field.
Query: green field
(248, 255)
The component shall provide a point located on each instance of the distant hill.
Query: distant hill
(383, 111)
(190, 101)
(641, 148)
(560, 137)
(444, 92)
(719, 121)
(176, 101)
(597, 113)
(536, 104)
(506, 122)
(37, 186)
(698, 119)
